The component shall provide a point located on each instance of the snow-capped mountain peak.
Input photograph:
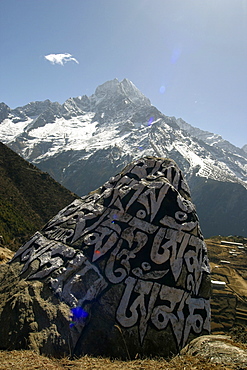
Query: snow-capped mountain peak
(115, 89)
(41, 130)
(107, 130)
(244, 148)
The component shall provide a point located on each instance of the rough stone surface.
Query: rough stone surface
(120, 272)
(218, 349)
(30, 316)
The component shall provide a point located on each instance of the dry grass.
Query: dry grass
(20, 360)
(5, 255)
(27, 360)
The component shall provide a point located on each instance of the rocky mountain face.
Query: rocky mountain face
(84, 141)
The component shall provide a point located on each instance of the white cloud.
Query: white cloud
(60, 58)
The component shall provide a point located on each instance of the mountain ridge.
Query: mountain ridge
(100, 134)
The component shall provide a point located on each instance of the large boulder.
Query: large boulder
(120, 272)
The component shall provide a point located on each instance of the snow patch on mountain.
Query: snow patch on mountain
(10, 130)
(118, 116)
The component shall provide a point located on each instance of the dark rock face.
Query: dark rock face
(4, 111)
(127, 264)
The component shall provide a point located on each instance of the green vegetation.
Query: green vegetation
(28, 198)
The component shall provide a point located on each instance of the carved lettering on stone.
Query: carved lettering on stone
(140, 230)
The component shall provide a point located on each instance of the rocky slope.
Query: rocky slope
(229, 283)
(87, 139)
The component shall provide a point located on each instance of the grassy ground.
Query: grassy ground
(27, 360)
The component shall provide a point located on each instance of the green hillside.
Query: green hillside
(28, 198)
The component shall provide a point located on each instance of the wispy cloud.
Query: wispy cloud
(61, 58)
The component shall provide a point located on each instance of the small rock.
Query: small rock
(219, 349)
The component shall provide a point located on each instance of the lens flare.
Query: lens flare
(151, 119)
(162, 89)
(176, 53)
(78, 315)
(114, 218)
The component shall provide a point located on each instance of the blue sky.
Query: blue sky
(189, 57)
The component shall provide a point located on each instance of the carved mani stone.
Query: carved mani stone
(130, 263)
